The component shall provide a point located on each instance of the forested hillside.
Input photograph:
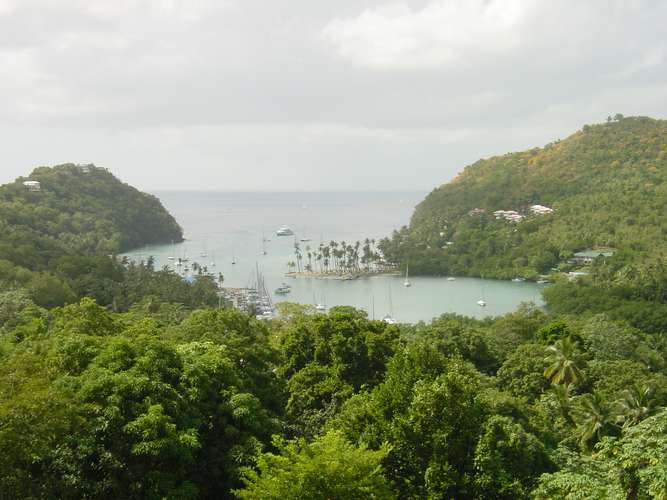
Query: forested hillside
(78, 210)
(57, 244)
(162, 402)
(606, 185)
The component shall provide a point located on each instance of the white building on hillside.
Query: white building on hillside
(541, 210)
(510, 215)
(32, 186)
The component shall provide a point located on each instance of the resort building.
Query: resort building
(509, 215)
(32, 186)
(588, 256)
(541, 210)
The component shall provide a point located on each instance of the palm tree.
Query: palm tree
(593, 418)
(564, 398)
(564, 360)
(634, 405)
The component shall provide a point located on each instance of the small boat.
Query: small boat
(518, 279)
(283, 289)
(305, 239)
(406, 283)
(170, 258)
(284, 231)
(319, 306)
(481, 302)
(263, 244)
(451, 278)
(389, 319)
(543, 282)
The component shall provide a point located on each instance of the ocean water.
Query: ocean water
(230, 226)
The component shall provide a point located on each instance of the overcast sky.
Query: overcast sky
(308, 94)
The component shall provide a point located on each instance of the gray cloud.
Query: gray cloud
(314, 95)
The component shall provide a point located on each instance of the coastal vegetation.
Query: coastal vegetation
(58, 244)
(118, 380)
(606, 185)
(162, 401)
(338, 259)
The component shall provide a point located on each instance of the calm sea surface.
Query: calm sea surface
(227, 226)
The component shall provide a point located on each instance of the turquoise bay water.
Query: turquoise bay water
(230, 226)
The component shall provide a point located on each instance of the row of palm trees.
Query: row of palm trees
(338, 257)
(592, 415)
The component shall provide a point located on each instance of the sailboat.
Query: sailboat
(481, 302)
(406, 283)
(304, 238)
(389, 317)
(263, 244)
(173, 251)
(319, 306)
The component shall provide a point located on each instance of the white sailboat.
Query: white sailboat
(389, 317)
(319, 306)
(406, 283)
(481, 302)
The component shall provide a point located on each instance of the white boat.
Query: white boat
(283, 289)
(543, 282)
(319, 306)
(481, 303)
(389, 319)
(406, 283)
(284, 231)
(518, 280)
(451, 278)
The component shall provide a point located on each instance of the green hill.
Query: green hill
(605, 183)
(81, 210)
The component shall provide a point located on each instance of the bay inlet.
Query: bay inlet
(233, 233)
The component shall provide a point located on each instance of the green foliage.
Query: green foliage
(564, 362)
(329, 467)
(631, 466)
(522, 373)
(121, 381)
(606, 185)
(507, 459)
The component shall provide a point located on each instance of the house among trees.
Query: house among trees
(510, 215)
(32, 186)
(541, 210)
(87, 168)
(588, 256)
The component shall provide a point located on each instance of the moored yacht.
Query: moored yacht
(389, 319)
(284, 231)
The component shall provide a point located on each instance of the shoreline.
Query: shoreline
(339, 276)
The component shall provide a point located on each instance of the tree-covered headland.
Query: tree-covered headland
(58, 244)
